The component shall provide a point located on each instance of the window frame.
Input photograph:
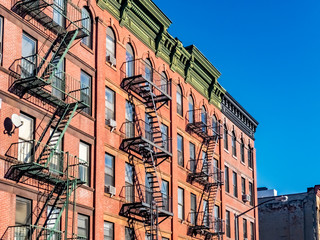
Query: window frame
(179, 99)
(181, 214)
(228, 226)
(251, 193)
(87, 168)
(88, 40)
(112, 39)
(106, 237)
(29, 209)
(250, 157)
(1, 39)
(242, 159)
(107, 109)
(235, 184)
(245, 228)
(113, 162)
(225, 138)
(234, 144)
(87, 229)
(193, 197)
(180, 152)
(190, 109)
(227, 180)
(87, 110)
(130, 60)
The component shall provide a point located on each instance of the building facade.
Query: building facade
(297, 218)
(113, 129)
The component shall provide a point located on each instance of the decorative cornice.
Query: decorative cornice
(238, 115)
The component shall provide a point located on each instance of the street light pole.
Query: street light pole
(236, 217)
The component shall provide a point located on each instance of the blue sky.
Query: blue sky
(268, 52)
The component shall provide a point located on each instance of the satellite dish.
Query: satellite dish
(16, 120)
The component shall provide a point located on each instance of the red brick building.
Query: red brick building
(112, 129)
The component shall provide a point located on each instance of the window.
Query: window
(164, 238)
(179, 101)
(26, 136)
(87, 25)
(56, 162)
(204, 119)
(192, 149)
(205, 213)
(245, 233)
(226, 173)
(235, 184)
(83, 226)
(110, 43)
(1, 39)
(164, 134)
(148, 127)
(86, 91)
(58, 80)
(164, 82)
(242, 151)
(84, 162)
(108, 231)
(148, 71)
(149, 178)
(217, 224)
(129, 60)
(243, 186)
(52, 221)
(108, 170)
(252, 230)
(251, 193)
(59, 12)
(28, 61)
(129, 120)
(129, 233)
(214, 125)
(250, 162)
(180, 150)
(23, 216)
(225, 137)
(180, 203)
(234, 144)
(109, 104)
(165, 194)
(129, 183)
(191, 109)
(228, 232)
(193, 208)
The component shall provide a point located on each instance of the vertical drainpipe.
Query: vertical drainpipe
(95, 132)
(171, 164)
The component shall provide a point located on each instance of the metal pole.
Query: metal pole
(236, 227)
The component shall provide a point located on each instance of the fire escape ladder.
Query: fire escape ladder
(136, 179)
(151, 225)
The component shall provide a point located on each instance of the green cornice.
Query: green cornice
(147, 22)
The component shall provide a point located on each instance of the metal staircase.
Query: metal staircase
(54, 172)
(150, 145)
(203, 171)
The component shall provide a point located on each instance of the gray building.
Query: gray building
(296, 219)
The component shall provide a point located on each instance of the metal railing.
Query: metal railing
(56, 161)
(141, 193)
(202, 169)
(137, 129)
(23, 232)
(54, 81)
(204, 220)
(155, 81)
(201, 120)
(64, 14)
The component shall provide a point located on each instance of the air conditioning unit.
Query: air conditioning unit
(112, 60)
(110, 189)
(111, 123)
(246, 198)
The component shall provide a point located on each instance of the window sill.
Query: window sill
(86, 187)
(250, 168)
(181, 117)
(111, 66)
(243, 163)
(87, 48)
(227, 151)
(235, 157)
(87, 115)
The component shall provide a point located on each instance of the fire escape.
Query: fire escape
(203, 171)
(40, 163)
(145, 141)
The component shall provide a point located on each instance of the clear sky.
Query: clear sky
(268, 52)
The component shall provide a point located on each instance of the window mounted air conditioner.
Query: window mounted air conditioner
(110, 189)
(246, 198)
(112, 60)
(111, 123)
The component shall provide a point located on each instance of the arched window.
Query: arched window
(242, 150)
(214, 125)
(225, 137)
(110, 43)
(191, 109)
(234, 144)
(164, 82)
(179, 100)
(204, 118)
(87, 25)
(129, 60)
(148, 70)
